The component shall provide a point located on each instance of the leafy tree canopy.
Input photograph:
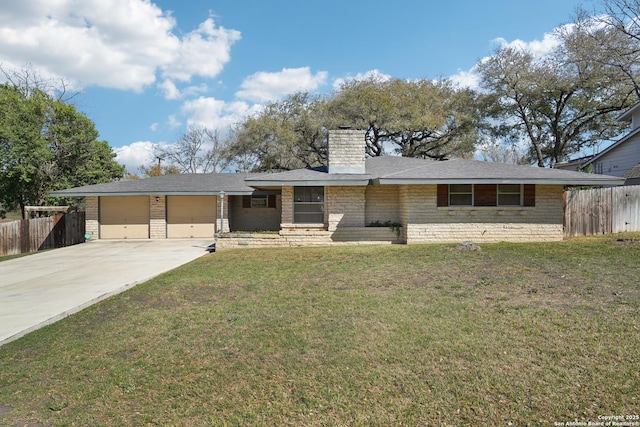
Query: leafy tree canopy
(286, 135)
(45, 145)
(413, 119)
(561, 102)
(424, 118)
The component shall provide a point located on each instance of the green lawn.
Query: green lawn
(515, 334)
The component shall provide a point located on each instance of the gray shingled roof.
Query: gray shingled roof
(478, 172)
(634, 172)
(307, 177)
(379, 170)
(404, 170)
(179, 184)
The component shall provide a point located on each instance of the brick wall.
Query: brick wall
(345, 206)
(428, 223)
(158, 217)
(286, 200)
(243, 218)
(346, 151)
(382, 204)
(92, 219)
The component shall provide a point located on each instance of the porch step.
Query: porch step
(310, 237)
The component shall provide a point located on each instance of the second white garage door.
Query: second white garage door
(191, 216)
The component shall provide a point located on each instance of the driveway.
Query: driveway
(39, 289)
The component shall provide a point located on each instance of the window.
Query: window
(509, 195)
(308, 205)
(259, 201)
(460, 195)
(479, 195)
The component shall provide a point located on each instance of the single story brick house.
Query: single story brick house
(354, 199)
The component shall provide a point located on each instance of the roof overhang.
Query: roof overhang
(64, 193)
(628, 113)
(355, 182)
(539, 181)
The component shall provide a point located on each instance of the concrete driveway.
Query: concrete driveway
(39, 289)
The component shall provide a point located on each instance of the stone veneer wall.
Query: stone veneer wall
(346, 151)
(158, 217)
(427, 223)
(92, 219)
(345, 206)
(382, 204)
(286, 198)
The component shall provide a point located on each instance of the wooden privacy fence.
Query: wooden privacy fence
(602, 210)
(30, 235)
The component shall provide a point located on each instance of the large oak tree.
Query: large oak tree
(285, 135)
(423, 118)
(561, 102)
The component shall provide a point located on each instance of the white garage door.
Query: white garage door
(124, 217)
(191, 216)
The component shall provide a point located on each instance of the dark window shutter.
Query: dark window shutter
(271, 201)
(529, 195)
(485, 195)
(443, 195)
(246, 202)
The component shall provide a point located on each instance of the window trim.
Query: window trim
(520, 194)
(248, 201)
(263, 200)
(458, 193)
(480, 201)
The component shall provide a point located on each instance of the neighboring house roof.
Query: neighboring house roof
(613, 146)
(573, 164)
(628, 114)
(177, 184)
(378, 170)
(634, 172)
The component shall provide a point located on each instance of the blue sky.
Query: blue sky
(148, 70)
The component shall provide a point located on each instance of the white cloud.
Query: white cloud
(134, 155)
(216, 114)
(369, 75)
(549, 42)
(202, 52)
(469, 79)
(169, 90)
(154, 127)
(118, 44)
(538, 48)
(173, 122)
(264, 87)
(195, 90)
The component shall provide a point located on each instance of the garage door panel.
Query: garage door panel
(191, 216)
(124, 217)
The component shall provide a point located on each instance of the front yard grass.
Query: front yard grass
(514, 334)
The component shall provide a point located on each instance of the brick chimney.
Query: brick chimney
(346, 151)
